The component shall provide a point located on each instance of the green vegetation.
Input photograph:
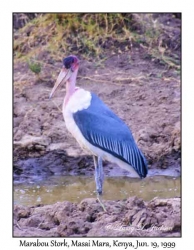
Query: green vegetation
(35, 67)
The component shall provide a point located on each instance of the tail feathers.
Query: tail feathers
(143, 168)
(138, 162)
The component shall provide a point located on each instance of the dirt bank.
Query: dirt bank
(131, 217)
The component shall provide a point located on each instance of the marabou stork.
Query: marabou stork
(96, 128)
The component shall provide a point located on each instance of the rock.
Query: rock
(21, 212)
(176, 136)
(29, 141)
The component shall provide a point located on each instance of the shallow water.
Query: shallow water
(76, 188)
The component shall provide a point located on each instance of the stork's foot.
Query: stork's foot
(102, 205)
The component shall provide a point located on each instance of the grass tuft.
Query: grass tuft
(34, 67)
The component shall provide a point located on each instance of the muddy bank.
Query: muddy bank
(131, 217)
(58, 163)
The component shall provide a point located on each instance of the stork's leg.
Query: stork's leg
(99, 178)
(99, 174)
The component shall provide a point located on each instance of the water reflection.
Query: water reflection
(76, 188)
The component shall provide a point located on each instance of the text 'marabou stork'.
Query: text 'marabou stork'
(96, 128)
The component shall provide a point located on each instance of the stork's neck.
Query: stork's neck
(70, 86)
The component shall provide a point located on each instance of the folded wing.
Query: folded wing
(103, 129)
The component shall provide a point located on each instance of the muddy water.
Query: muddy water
(76, 188)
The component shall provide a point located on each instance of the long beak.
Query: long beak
(62, 77)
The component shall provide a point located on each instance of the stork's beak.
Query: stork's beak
(62, 77)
